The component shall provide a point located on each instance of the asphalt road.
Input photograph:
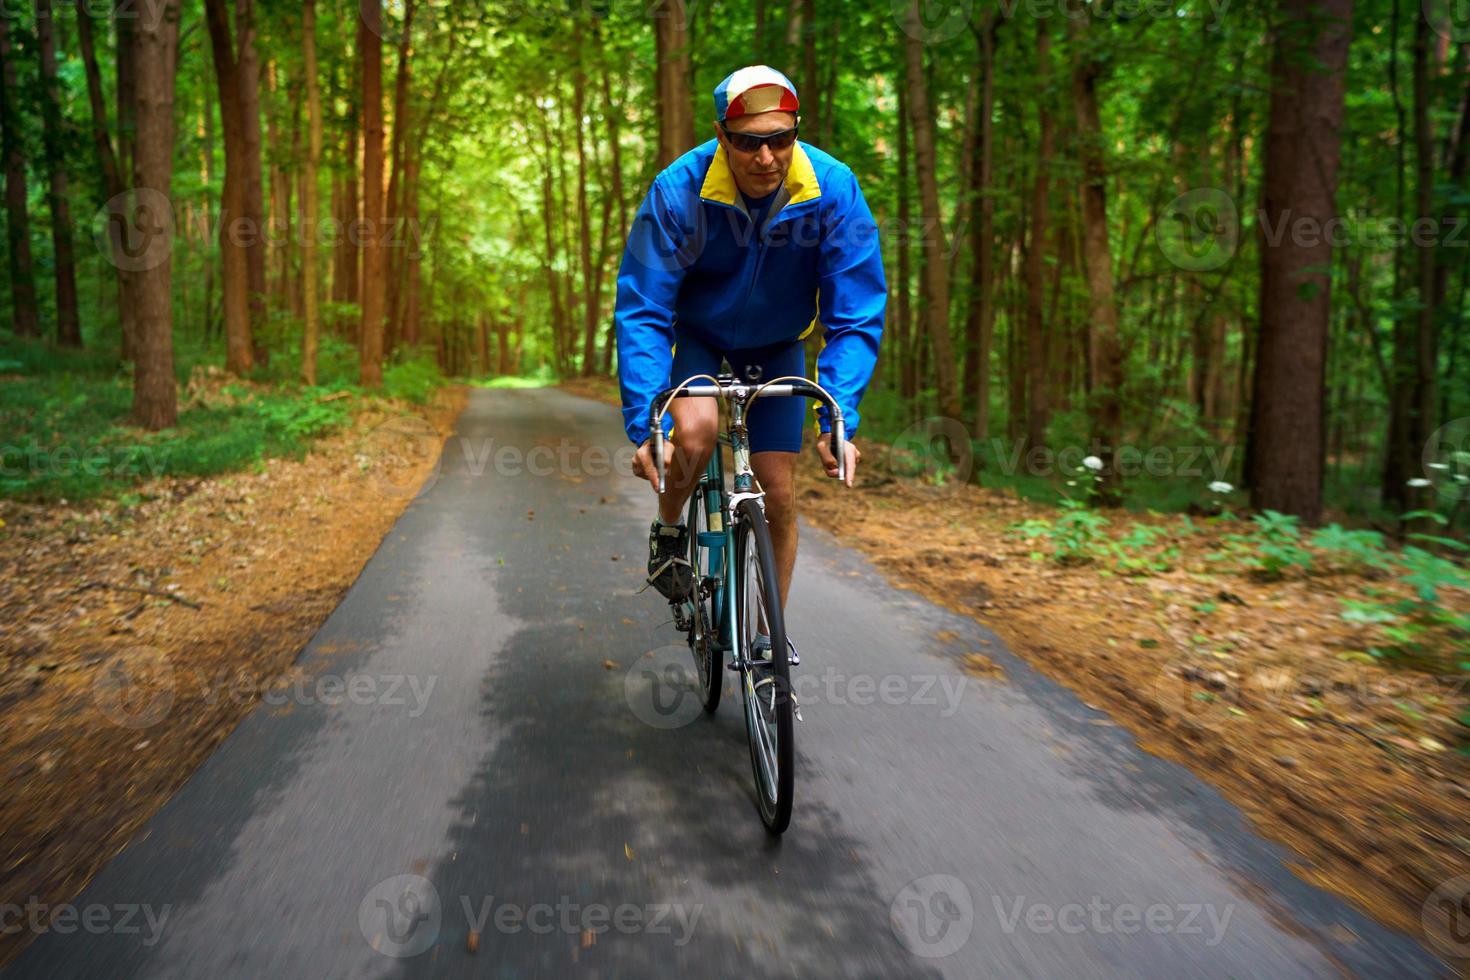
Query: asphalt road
(492, 739)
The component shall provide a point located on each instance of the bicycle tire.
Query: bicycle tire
(766, 689)
(708, 665)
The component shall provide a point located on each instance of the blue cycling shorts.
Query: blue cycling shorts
(774, 424)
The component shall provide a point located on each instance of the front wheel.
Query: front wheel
(766, 684)
(707, 664)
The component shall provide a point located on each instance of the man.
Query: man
(742, 246)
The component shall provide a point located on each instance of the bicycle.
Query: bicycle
(728, 531)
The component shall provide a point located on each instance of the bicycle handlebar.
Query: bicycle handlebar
(746, 393)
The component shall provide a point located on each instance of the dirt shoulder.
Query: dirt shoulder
(1261, 689)
(134, 638)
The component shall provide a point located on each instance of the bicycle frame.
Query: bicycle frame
(721, 543)
(719, 506)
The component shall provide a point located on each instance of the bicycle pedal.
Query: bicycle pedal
(795, 706)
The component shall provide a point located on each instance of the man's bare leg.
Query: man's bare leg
(776, 472)
(696, 429)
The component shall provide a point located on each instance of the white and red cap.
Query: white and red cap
(754, 90)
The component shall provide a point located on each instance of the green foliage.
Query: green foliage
(1406, 622)
(67, 435)
(1353, 550)
(1076, 537)
(1138, 553)
(1271, 549)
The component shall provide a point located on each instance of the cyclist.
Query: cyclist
(741, 247)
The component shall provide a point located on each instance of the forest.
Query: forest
(1231, 227)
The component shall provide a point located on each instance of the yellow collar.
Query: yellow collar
(719, 180)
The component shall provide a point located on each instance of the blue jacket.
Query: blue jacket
(695, 263)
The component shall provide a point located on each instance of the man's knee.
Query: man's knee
(777, 474)
(695, 434)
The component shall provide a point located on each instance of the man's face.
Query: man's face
(758, 174)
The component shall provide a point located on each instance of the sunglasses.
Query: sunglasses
(751, 143)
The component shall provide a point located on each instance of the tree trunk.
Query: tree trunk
(155, 395)
(584, 223)
(248, 69)
(553, 279)
(112, 174)
(370, 43)
(397, 266)
(127, 129)
(1301, 159)
(676, 119)
(309, 205)
(68, 324)
(908, 381)
(234, 223)
(1105, 370)
(1037, 408)
(936, 278)
(612, 112)
(17, 213)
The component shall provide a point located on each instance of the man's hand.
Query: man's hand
(643, 462)
(829, 461)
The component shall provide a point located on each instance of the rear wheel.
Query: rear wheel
(766, 684)
(701, 639)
